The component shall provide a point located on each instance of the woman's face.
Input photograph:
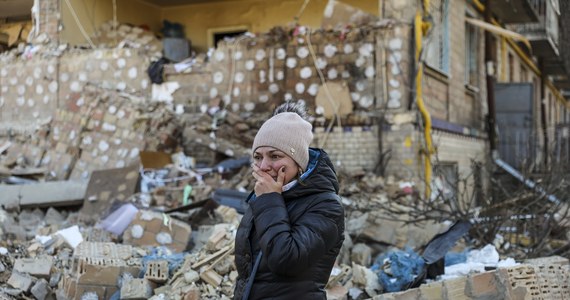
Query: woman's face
(270, 160)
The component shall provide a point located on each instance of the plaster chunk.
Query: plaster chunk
(273, 88)
(330, 50)
(239, 77)
(218, 77)
(37, 73)
(395, 94)
(64, 77)
(370, 72)
(144, 83)
(260, 55)
(313, 89)
(249, 65)
(300, 88)
(302, 52)
(395, 70)
(249, 106)
(360, 61)
(291, 62)
(103, 146)
(280, 54)
(121, 63)
(75, 86)
(394, 83)
(366, 50)
(220, 55)
(395, 44)
(332, 73)
(52, 87)
(321, 63)
(82, 76)
(133, 73)
(306, 72)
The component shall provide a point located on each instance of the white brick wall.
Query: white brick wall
(351, 148)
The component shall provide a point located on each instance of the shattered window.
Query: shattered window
(437, 55)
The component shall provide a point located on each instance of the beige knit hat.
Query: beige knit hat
(288, 132)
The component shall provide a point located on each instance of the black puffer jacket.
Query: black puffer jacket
(299, 233)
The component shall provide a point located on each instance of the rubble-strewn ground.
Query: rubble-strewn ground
(117, 197)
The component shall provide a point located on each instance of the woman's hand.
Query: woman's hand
(265, 183)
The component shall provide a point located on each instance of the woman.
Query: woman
(293, 229)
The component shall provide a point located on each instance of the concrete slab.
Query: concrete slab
(40, 267)
(44, 194)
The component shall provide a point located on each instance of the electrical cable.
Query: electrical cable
(74, 15)
(334, 105)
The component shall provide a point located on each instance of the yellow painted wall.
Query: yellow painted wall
(93, 13)
(258, 15)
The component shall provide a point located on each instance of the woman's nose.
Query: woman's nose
(265, 165)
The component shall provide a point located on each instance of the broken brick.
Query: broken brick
(136, 288)
(38, 267)
(40, 290)
(20, 281)
(157, 271)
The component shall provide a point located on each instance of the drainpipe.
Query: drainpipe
(490, 78)
(543, 114)
(420, 30)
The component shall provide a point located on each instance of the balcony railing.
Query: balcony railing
(516, 11)
(544, 34)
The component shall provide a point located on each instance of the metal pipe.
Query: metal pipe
(490, 78)
(529, 183)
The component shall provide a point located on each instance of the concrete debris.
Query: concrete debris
(125, 189)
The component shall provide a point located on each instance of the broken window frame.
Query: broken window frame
(437, 56)
(212, 32)
(472, 55)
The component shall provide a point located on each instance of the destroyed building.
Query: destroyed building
(156, 103)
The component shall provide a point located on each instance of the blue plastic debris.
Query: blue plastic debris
(453, 258)
(397, 269)
(163, 253)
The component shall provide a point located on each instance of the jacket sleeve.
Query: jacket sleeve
(290, 248)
